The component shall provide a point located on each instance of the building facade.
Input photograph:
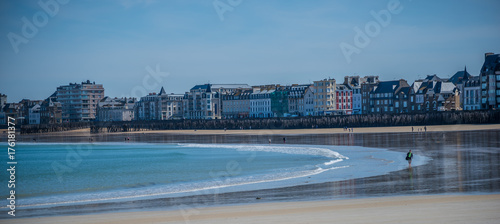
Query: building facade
(459, 79)
(205, 101)
(490, 82)
(260, 101)
(297, 101)
(343, 98)
(79, 100)
(472, 94)
(309, 101)
(170, 105)
(34, 114)
(280, 101)
(370, 82)
(236, 104)
(435, 94)
(51, 110)
(324, 98)
(383, 96)
(148, 108)
(116, 109)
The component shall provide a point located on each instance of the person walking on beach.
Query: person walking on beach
(409, 156)
(284, 140)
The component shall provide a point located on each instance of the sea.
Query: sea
(59, 174)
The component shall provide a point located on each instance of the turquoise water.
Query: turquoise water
(54, 174)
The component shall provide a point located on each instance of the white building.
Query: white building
(116, 109)
(472, 94)
(296, 101)
(34, 114)
(236, 104)
(205, 101)
(309, 101)
(260, 101)
(170, 105)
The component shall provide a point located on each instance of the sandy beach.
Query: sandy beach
(459, 185)
(395, 129)
(402, 209)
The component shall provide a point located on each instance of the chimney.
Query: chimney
(488, 54)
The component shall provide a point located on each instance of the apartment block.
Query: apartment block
(490, 82)
(79, 100)
(324, 97)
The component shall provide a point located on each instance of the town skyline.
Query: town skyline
(119, 43)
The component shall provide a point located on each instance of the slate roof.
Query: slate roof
(460, 77)
(387, 87)
(492, 62)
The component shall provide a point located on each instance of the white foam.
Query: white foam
(298, 150)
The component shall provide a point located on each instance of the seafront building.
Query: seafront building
(309, 101)
(148, 108)
(51, 110)
(11, 110)
(459, 79)
(116, 109)
(343, 98)
(260, 101)
(356, 95)
(280, 101)
(490, 82)
(472, 94)
(236, 104)
(354, 83)
(383, 96)
(23, 113)
(205, 101)
(34, 114)
(324, 97)
(79, 100)
(170, 105)
(435, 94)
(367, 86)
(297, 100)
(161, 106)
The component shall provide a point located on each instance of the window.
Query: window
(396, 104)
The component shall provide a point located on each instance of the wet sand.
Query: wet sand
(463, 162)
(403, 209)
(394, 129)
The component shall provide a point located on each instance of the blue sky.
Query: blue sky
(258, 42)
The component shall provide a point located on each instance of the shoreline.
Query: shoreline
(424, 208)
(435, 178)
(318, 131)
